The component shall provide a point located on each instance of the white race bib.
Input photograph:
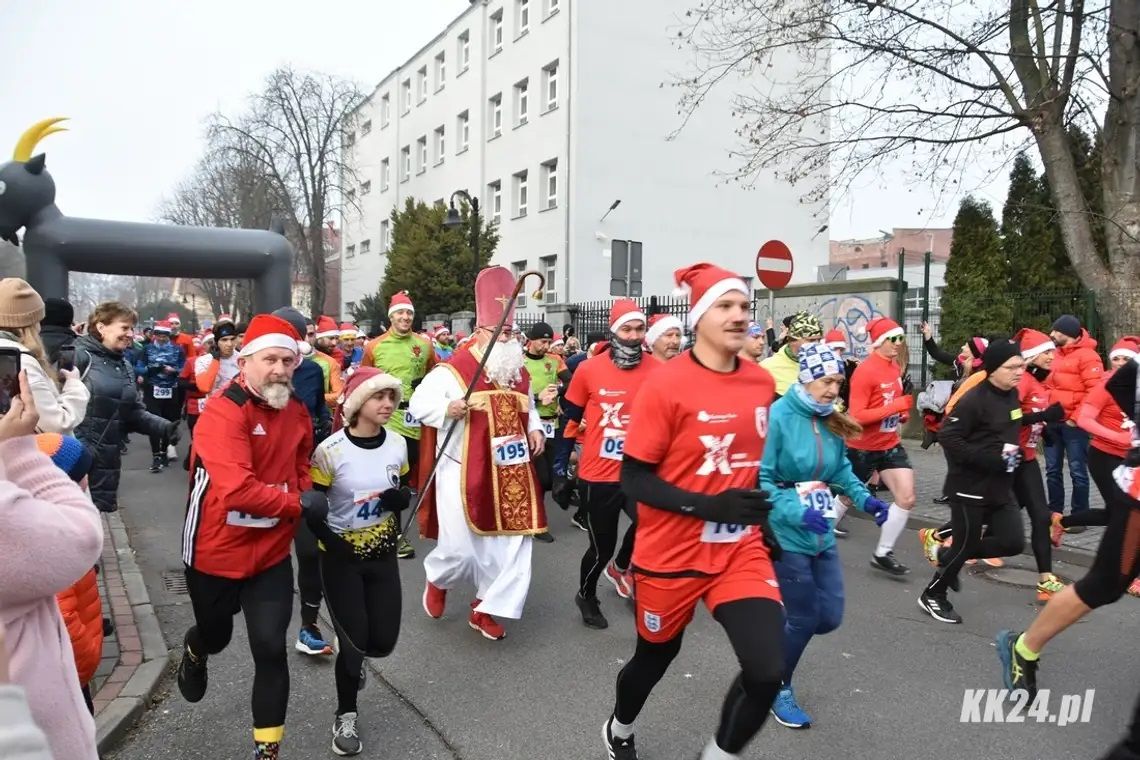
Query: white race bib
(1124, 476)
(890, 424)
(366, 510)
(722, 533)
(613, 445)
(162, 392)
(510, 450)
(201, 405)
(409, 420)
(548, 428)
(243, 520)
(814, 494)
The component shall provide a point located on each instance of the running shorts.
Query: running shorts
(866, 463)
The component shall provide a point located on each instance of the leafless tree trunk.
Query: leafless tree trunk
(827, 92)
(293, 132)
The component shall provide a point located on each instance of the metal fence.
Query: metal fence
(594, 316)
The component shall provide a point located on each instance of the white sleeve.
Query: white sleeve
(202, 363)
(534, 422)
(429, 401)
(59, 413)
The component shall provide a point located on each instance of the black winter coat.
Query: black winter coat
(55, 338)
(115, 408)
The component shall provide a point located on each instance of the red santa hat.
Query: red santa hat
(173, 318)
(400, 301)
(835, 339)
(348, 330)
(704, 283)
(623, 311)
(225, 318)
(163, 327)
(493, 289)
(362, 384)
(882, 329)
(659, 324)
(442, 330)
(1033, 342)
(267, 331)
(1128, 346)
(326, 327)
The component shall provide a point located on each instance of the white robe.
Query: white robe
(498, 566)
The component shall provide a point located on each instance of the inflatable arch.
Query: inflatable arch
(55, 244)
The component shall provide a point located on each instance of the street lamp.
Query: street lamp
(453, 221)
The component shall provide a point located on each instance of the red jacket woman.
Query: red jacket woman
(83, 614)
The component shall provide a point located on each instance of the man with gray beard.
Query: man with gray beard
(250, 488)
(485, 503)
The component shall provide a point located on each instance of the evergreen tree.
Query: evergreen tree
(975, 301)
(156, 311)
(434, 264)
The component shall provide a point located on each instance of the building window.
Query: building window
(440, 72)
(549, 270)
(439, 144)
(496, 31)
(550, 85)
(551, 7)
(366, 187)
(464, 129)
(385, 239)
(550, 183)
(521, 104)
(518, 268)
(350, 252)
(365, 128)
(406, 90)
(496, 125)
(495, 191)
(421, 155)
(385, 110)
(423, 83)
(520, 194)
(365, 246)
(464, 51)
(385, 174)
(405, 163)
(523, 16)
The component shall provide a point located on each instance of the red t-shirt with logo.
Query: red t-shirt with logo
(1034, 398)
(1110, 417)
(875, 385)
(705, 433)
(605, 393)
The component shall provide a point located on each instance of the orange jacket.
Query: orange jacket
(82, 611)
(1076, 371)
(973, 379)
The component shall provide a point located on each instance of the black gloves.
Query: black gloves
(314, 507)
(1054, 414)
(736, 506)
(396, 499)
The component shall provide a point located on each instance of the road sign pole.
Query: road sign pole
(772, 305)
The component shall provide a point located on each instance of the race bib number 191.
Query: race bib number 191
(510, 450)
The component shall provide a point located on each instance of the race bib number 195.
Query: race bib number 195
(510, 450)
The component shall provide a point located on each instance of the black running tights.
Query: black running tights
(363, 598)
(1029, 489)
(1005, 538)
(604, 503)
(755, 628)
(1101, 465)
(308, 573)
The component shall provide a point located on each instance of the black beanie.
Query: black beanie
(540, 331)
(998, 353)
(226, 330)
(1067, 324)
(58, 312)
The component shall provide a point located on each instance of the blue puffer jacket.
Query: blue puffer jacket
(801, 448)
(150, 364)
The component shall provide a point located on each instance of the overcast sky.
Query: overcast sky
(139, 77)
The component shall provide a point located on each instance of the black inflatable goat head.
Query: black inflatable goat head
(26, 188)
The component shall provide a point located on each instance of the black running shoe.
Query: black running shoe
(191, 674)
(941, 500)
(1016, 671)
(545, 538)
(156, 464)
(618, 749)
(938, 607)
(346, 739)
(592, 616)
(579, 520)
(889, 564)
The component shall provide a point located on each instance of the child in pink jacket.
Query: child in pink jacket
(50, 535)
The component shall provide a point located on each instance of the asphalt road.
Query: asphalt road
(889, 683)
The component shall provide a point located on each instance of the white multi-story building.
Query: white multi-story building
(550, 111)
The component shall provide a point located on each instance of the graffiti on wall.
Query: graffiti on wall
(847, 312)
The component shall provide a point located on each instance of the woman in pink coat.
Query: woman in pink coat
(50, 535)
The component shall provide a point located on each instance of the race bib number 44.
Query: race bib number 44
(613, 445)
(163, 392)
(722, 533)
(366, 509)
(510, 450)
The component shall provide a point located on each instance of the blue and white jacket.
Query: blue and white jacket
(149, 365)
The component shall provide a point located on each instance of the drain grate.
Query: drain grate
(174, 582)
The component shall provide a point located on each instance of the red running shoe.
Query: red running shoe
(619, 580)
(434, 600)
(486, 625)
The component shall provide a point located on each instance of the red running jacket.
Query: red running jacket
(1076, 371)
(250, 464)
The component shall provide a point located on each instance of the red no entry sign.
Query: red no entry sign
(774, 265)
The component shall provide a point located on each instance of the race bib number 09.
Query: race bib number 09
(722, 533)
(814, 494)
(163, 392)
(366, 510)
(613, 445)
(510, 450)
(409, 420)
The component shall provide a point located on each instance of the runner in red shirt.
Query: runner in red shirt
(600, 396)
(692, 459)
(879, 404)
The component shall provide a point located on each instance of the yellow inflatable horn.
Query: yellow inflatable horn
(38, 131)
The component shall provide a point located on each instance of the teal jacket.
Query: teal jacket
(801, 448)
